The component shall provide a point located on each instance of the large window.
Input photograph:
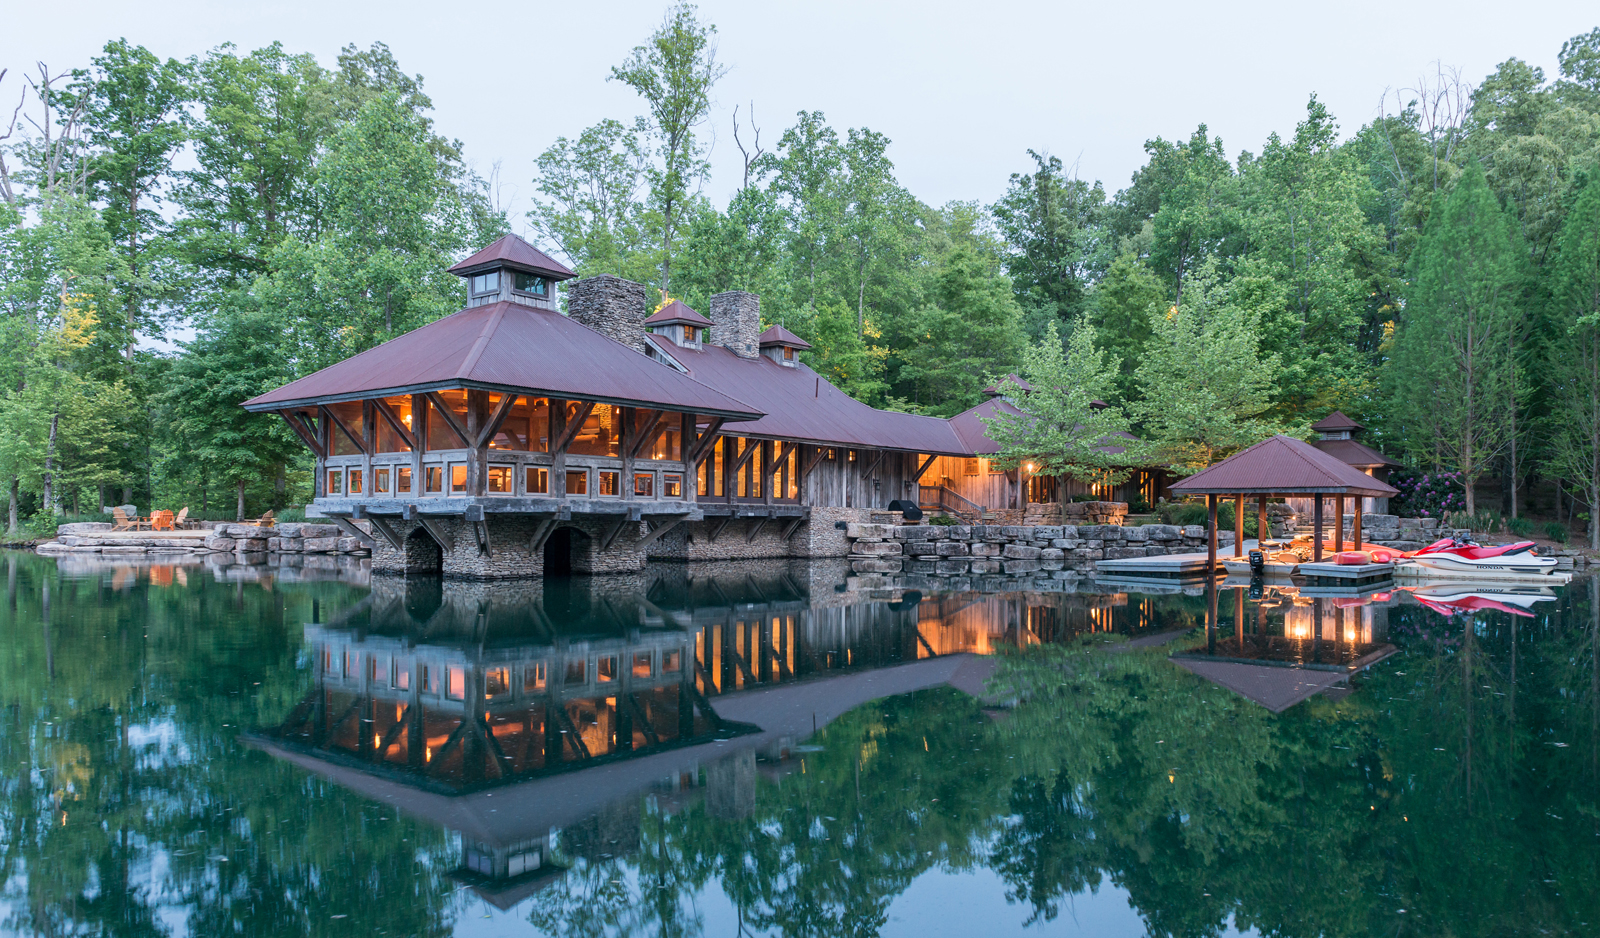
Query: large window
(501, 481)
(527, 426)
(602, 431)
(388, 440)
(440, 436)
(538, 481)
(668, 442)
(349, 414)
(530, 283)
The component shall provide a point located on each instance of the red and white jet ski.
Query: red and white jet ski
(1455, 555)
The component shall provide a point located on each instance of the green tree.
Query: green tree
(1574, 425)
(593, 210)
(1120, 308)
(972, 329)
(1065, 427)
(1207, 385)
(674, 72)
(1057, 238)
(1456, 339)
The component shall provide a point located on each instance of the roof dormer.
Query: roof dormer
(782, 346)
(1336, 426)
(679, 324)
(512, 271)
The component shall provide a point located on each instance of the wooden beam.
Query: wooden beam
(305, 433)
(656, 530)
(867, 472)
(328, 414)
(711, 536)
(792, 526)
(810, 463)
(611, 533)
(754, 529)
(350, 529)
(704, 442)
(395, 423)
(778, 460)
(449, 418)
(574, 425)
(653, 429)
(924, 468)
(480, 530)
(541, 534)
(436, 531)
(750, 448)
(497, 419)
(387, 531)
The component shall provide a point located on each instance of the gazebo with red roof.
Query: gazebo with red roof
(1280, 466)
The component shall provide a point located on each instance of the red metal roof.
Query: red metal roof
(1282, 465)
(1354, 453)
(777, 335)
(996, 389)
(508, 346)
(974, 433)
(677, 312)
(799, 405)
(1336, 421)
(513, 251)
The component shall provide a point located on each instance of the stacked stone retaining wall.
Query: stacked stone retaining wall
(1012, 550)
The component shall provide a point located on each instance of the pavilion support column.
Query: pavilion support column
(558, 454)
(1263, 530)
(419, 435)
(1316, 530)
(1355, 525)
(1211, 545)
(1238, 526)
(1338, 524)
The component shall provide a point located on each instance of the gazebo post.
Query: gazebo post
(1316, 529)
(1338, 523)
(1238, 525)
(1211, 537)
(1262, 528)
(1355, 526)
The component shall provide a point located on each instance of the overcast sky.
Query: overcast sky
(963, 89)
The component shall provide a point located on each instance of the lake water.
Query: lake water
(756, 749)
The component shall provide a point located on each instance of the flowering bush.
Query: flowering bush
(1427, 494)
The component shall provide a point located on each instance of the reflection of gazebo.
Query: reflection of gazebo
(1280, 466)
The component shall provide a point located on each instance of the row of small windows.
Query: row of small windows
(451, 682)
(500, 480)
(521, 282)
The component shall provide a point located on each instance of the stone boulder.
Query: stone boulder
(84, 527)
(218, 542)
(317, 545)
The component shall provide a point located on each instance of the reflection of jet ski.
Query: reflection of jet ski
(1450, 599)
(1462, 556)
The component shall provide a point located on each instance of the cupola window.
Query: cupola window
(486, 283)
(531, 283)
(691, 334)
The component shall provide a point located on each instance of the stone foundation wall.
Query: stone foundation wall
(510, 555)
(1012, 550)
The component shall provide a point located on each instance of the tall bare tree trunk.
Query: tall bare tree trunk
(239, 511)
(49, 465)
(11, 514)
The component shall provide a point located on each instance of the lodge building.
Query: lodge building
(511, 439)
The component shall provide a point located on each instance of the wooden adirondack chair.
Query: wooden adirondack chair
(182, 522)
(265, 521)
(124, 523)
(161, 521)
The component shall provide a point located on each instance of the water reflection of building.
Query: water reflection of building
(508, 711)
(1278, 647)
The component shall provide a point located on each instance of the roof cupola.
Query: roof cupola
(782, 346)
(512, 271)
(678, 323)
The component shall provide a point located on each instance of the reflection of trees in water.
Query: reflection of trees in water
(1436, 788)
(118, 733)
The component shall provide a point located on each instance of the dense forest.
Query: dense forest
(1435, 274)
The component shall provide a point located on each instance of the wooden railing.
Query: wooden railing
(937, 497)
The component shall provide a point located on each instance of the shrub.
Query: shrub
(1195, 513)
(1427, 494)
(943, 521)
(1556, 531)
(1520, 526)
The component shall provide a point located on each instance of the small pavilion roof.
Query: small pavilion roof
(514, 252)
(1283, 465)
(1273, 687)
(777, 335)
(508, 347)
(676, 311)
(997, 389)
(1334, 422)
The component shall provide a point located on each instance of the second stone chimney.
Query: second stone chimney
(736, 322)
(611, 306)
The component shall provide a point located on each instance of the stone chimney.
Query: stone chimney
(736, 322)
(610, 306)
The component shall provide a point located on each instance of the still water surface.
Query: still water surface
(747, 749)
